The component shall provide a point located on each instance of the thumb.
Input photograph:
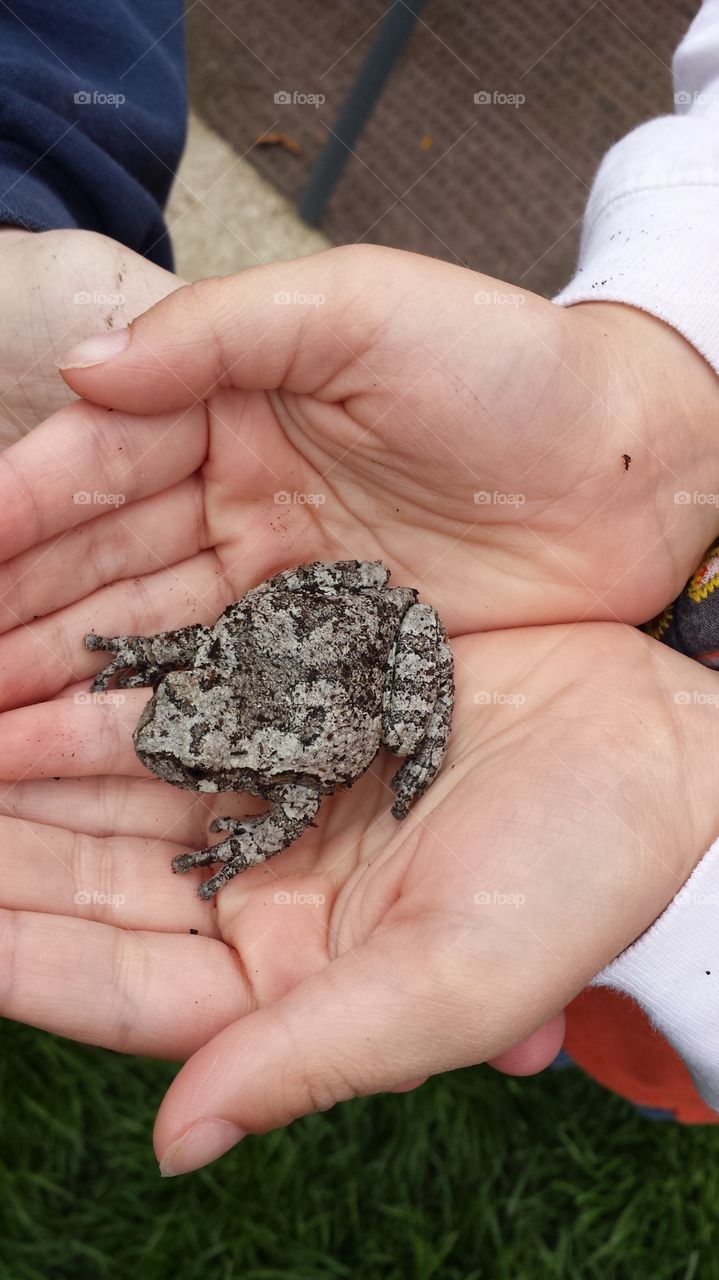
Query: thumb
(368, 1022)
(264, 328)
(535, 1053)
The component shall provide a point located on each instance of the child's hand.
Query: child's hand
(574, 800)
(518, 461)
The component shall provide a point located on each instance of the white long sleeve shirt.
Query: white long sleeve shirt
(651, 239)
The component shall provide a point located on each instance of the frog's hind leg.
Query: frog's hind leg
(254, 840)
(418, 703)
(410, 690)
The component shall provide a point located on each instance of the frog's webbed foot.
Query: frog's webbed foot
(418, 701)
(253, 840)
(143, 660)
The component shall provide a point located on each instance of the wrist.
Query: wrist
(662, 399)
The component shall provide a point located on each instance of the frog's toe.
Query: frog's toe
(202, 858)
(93, 641)
(103, 678)
(232, 868)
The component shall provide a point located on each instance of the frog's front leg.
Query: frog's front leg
(148, 657)
(254, 840)
(417, 704)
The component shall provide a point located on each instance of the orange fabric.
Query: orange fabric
(610, 1037)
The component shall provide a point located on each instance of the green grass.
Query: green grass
(473, 1176)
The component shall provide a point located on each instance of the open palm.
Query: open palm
(519, 462)
(372, 952)
(350, 433)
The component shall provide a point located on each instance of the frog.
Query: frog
(290, 695)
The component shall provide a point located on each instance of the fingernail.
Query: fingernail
(204, 1141)
(96, 350)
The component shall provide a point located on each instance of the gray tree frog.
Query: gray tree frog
(289, 695)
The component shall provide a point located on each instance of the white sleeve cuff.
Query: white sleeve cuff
(651, 231)
(650, 236)
(672, 971)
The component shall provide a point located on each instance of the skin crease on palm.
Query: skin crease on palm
(396, 399)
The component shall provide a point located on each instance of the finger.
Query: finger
(369, 1021)
(161, 994)
(84, 458)
(122, 881)
(232, 331)
(408, 1086)
(72, 738)
(40, 659)
(143, 538)
(107, 806)
(535, 1053)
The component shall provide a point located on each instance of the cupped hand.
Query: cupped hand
(519, 461)
(123, 522)
(571, 807)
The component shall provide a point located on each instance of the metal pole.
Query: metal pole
(396, 27)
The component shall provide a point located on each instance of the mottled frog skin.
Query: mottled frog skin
(290, 695)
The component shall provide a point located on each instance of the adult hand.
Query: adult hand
(57, 287)
(194, 507)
